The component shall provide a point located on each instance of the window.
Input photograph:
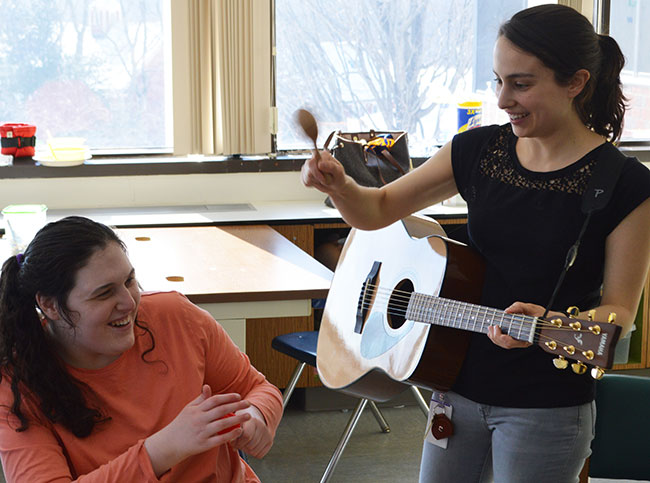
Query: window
(92, 69)
(101, 69)
(628, 19)
(396, 65)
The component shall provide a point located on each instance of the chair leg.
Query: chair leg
(385, 428)
(420, 400)
(292, 384)
(352, 422)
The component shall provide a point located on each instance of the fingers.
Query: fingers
(320, 171)
(504, 340)
(255, 440)
(218, 406)
(526, 309)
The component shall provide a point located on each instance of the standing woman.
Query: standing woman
(516, 418)
(101, 382)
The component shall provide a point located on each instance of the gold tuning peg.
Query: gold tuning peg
(612, 318)
(595, 329)
(560, 362)
(597, 373)
(551, 344)
(579, 367)
(591, 314)
(589, 354)
(573, 311)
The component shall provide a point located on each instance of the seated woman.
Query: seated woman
(100, 381)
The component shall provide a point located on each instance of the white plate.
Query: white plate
(46, 160)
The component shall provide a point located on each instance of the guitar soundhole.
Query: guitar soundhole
(398, 303)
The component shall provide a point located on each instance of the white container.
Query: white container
(21, 224)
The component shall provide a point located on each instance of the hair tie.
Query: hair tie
(20, 258)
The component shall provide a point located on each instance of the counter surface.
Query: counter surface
(227, 213)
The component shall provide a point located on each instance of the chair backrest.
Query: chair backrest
(620, 447)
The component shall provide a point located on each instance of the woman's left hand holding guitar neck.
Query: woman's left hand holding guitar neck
(503, 340)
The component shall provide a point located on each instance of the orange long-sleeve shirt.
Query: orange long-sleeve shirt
(141, 398)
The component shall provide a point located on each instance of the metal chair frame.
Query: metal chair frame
(308, 356)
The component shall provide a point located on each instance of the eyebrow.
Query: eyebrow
(517, 75)
(101, 288)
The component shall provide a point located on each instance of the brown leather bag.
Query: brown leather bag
(369, 165)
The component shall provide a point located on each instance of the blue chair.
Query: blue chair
(302, 347)
(619, 450)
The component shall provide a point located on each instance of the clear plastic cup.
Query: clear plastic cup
(21, 224)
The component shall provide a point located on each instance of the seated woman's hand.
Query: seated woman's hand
(256, 439)
(198, 427)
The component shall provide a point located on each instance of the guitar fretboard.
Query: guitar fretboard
(471, 317)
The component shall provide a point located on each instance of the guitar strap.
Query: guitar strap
(607, 169)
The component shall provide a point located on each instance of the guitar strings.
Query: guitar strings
(402, 312)
(401, 299)
(404, 297)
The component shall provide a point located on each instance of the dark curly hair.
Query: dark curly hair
(564, 41)
(27, 356)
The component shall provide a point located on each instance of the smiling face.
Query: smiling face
(528, 92)
(103, 303)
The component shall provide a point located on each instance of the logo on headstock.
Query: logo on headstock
(602, 344)
(578, 338)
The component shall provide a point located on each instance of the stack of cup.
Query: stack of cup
(21, 224)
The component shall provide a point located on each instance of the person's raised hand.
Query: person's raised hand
(324, 173)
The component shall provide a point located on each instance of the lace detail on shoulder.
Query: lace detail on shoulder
(496, 163)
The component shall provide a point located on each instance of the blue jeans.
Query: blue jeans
(511, 445)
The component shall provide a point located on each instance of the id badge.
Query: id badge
(439, 425)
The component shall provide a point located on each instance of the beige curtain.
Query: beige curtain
(221, 57)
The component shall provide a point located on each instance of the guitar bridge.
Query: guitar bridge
(368, 289)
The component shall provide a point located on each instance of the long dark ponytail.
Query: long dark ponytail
(564, 40)
(27, 355)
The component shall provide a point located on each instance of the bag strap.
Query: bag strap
(389, 158)
(596, 196)
(329, 139)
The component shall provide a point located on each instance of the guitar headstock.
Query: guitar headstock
(585, 341)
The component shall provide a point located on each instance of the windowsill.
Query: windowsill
(164, 164)
(153, 165)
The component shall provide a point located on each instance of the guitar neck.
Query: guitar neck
(474, 318)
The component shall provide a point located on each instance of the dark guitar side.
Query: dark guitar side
(445, 348)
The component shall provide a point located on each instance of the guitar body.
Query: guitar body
(365, 351)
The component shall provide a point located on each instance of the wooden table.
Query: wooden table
(234, 272)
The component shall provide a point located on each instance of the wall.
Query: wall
(161, 190)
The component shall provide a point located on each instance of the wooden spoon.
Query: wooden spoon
(309, 126)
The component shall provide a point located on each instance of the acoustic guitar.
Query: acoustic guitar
(400, 311)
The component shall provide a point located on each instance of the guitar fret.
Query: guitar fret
(442, 311)
(424, 307)
(461, 315)
(458, 315)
